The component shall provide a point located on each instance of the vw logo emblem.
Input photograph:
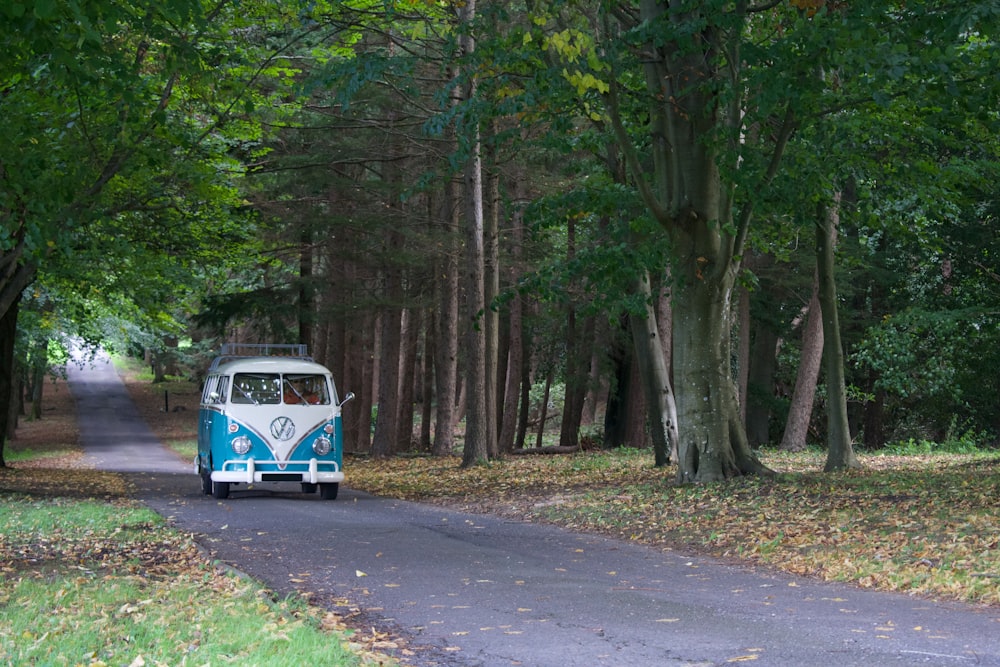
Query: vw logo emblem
(282, 428)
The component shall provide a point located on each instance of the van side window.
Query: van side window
(222, 390)
(257, 388)
(209, 388)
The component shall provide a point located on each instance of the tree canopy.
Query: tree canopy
(323, 172)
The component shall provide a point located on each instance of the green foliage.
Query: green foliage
(968, 443)
(940, 365)
(122, 164)
(557, 396)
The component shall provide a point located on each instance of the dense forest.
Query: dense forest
(700, 227)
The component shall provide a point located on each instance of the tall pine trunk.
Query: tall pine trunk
(478, 432)
(512, 369)
(491, 289)
(446, 316)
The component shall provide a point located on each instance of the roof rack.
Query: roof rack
(231, 351)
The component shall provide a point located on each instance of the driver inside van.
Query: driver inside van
(308, 390)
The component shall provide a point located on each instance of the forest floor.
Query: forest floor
(925, 524)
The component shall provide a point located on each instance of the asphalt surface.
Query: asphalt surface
(473, 590)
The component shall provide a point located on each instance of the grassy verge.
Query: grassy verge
(105, 582)
(926, 525)
(90, 577)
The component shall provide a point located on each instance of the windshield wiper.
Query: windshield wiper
(246, 394)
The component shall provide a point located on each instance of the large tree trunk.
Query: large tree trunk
(15, 274)
(810, 360)
(8, 332)
(840, 451)
(712, 444)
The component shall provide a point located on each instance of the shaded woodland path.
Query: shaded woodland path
(477, 590)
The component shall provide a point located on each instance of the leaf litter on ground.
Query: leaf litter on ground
(925, 525)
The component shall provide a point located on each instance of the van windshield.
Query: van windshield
(301, 389)
(257, 388)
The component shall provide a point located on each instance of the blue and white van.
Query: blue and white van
(269, 413)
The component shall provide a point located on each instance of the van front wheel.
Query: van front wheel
(220, 490)
(206, 482)
(328, 491)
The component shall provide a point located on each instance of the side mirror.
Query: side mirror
(349, 397)
(214, 396)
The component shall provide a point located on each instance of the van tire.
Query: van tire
(329, 491)
(220, 490)
(308, 488)
(206, 482)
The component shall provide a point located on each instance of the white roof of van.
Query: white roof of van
(268, 365)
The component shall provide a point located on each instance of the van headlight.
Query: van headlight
(241, 445)
(322, 446)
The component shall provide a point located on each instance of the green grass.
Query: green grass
(92, 582)
(15, 456)
(186, 449)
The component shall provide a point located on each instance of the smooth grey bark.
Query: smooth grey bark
(661, 409)
(839, 450)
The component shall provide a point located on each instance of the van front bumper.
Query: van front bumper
(248, 472)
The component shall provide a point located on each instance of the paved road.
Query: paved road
(473, 590)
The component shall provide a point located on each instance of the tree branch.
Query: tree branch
(766, 6)
(631, 157)
(788, 126)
